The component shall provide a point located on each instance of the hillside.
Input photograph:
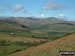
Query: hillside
(11, 25)
(10, 44)
(36, 27)
(48, 24)
(19, 34)
(67, 43)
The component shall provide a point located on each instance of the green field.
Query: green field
(27, 34)
(67, 43)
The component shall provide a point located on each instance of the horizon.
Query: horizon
(10, 17)
(63, 9)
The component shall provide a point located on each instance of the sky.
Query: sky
(63, 9)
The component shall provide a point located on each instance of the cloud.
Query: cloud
(42, 15)
(62, 16)
(54, 6)
(24, 11)
(18, 7)
(29, 15)
(4, 8)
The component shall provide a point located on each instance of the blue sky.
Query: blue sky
(38, 8)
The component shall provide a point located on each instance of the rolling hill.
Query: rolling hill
(19, 34)
(10, 44)
(48, 24)
(67, 43)
(36, 27)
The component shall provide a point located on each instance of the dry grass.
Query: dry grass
(50, 49)
(11, 38)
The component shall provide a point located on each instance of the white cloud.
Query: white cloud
(42, 15)
(24, 11)
(29, 15)
(60, 15)
(53, 6)
(18, 7)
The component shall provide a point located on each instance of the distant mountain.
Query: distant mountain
(33, 20)
(48, 24)
(7, 25)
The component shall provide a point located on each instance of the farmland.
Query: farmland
(67, 43)
(29, 36)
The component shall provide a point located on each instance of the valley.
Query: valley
(23, 36)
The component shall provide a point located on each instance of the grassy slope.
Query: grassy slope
(46, 27)
(9, 39)
(66, 43)
(19, 35)
(9, 27)
(48, 24)
(17, 29)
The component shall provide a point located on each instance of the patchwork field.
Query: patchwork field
(35, 37)
(10, 44)
(67, 43)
